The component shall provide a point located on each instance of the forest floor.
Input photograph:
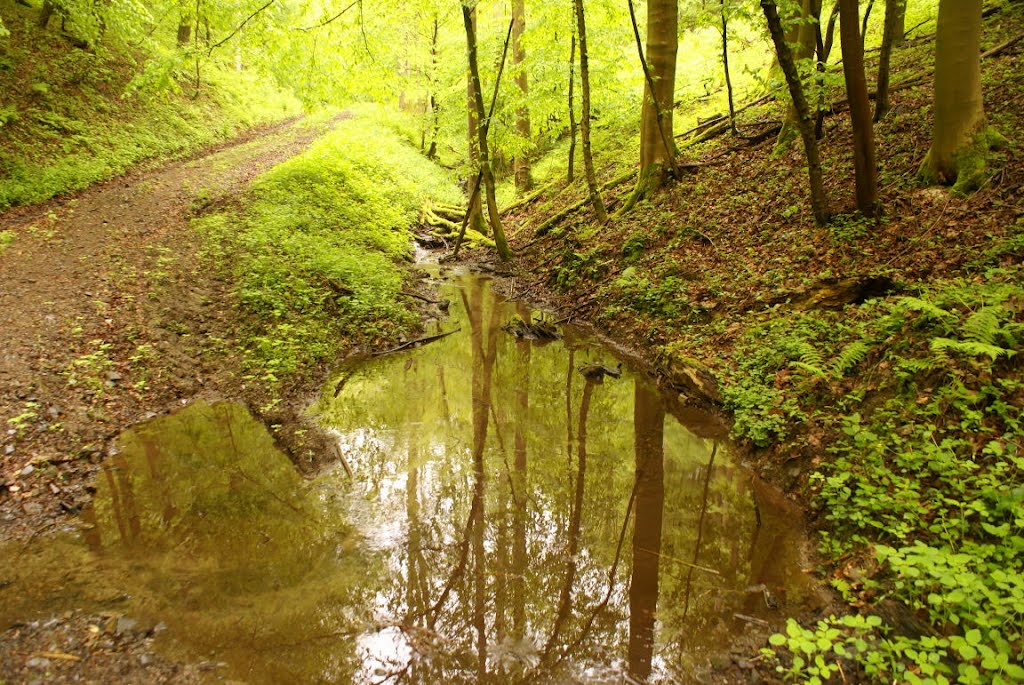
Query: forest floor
(851, 357)
(107, 318)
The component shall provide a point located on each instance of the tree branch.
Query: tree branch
(238, 28)
(327, 21)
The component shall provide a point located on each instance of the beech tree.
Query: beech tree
(819, 200)
(483, 122)
(657, 145)
(894, 9)
(588, 157)
(860, 108)
(522, 161)
(961, 136)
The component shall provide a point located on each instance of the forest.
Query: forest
(504, 341)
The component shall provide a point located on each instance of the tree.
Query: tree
(522, 161)
(961, 136)
(860, 108)
(819, 200)
(474, 210)
(893, 10)
(483, 123)
(657, 145)
(801, 38)
(588, 158)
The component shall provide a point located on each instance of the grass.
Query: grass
(70, 117)
(317, 249)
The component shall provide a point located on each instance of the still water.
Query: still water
(495, 516)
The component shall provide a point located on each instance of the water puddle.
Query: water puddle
(507, 519)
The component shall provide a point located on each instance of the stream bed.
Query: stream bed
(495, 515)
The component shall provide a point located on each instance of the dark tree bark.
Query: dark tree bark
(892, 11)
(725, 67)
(588, 159)
(46, 13)
(819, 200)
(864, 27)
(482, 126)
(860, 108)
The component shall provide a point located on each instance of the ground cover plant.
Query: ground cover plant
(316, 251)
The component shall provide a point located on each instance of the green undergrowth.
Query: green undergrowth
(315, 254)
(71, 117)
(917, 400)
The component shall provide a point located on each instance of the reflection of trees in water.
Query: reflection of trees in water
(515, 561)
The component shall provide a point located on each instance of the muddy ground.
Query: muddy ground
(108, 317)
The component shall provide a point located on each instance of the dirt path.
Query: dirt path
(107, 318)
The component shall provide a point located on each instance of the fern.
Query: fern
(941, 347)
(928, 310)
(850, 356)
(809, 368)
(985, 325)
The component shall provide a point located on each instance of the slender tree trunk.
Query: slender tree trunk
(657, 144)
(804, 41)
(867, 16)
(522, 161)
(725, 67)
(481, 114)
(570, 175)
(892, 10)
(819, 201)
(433, 119)
(588, 159)
(961, 138)
(475, 210)
(860, 108)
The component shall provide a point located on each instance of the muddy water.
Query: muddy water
(496, 517)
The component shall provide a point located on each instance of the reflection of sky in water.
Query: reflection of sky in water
(446, 558)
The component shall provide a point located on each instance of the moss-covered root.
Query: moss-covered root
(968, 169)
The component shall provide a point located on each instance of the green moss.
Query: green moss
(316, 251)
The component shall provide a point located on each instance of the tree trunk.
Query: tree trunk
(657, 144)
(184, 31)
(484, 159)
(961, 137)
(588, 159)
(725, 67)
(901, 23)
(892, 11)
(649, 454)
(433, 121)
(522, 161)
(475, 209)
(867, 16)
(860, 108)
(804, 39)
(45, 14)
(570, 175)
(819, 201)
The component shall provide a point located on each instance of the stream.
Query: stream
(494, 516)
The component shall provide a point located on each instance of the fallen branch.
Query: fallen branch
(552, 221)
(417, 296)
(417, 343)
(527, 199)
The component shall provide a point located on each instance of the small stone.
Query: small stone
(36, 662)
(126, 625)
(114, 376)
(145, 659)
(9, 449)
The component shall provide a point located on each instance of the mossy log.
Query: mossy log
(554, 220)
